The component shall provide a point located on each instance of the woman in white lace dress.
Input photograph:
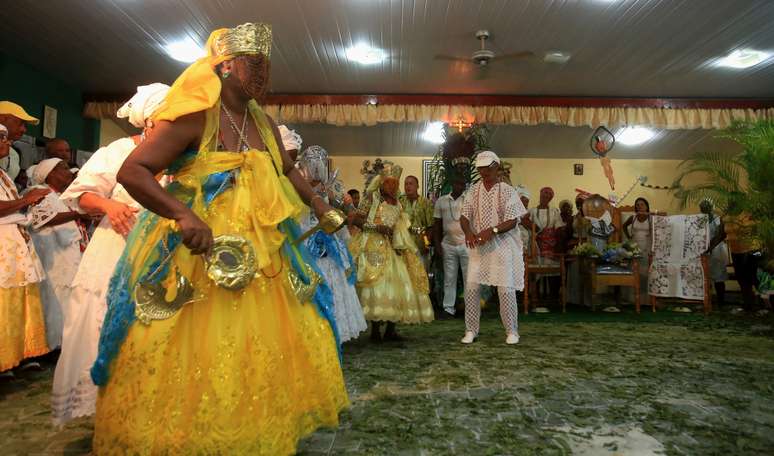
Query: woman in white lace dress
(22, 329)
(57, 238)
(333, 257)
(95, 191)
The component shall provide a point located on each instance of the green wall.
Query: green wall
(32, 89)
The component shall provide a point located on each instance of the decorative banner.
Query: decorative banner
(49, 122)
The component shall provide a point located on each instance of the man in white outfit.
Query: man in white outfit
(447, 212)
(490, 213)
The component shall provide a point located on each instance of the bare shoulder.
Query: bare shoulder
(189, 124)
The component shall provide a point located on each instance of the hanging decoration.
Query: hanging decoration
(640, 180)
(658, 187)
(602, 142)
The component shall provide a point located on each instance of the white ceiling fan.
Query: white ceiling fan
(483, 58)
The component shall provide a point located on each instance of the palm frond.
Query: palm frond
(738, 182)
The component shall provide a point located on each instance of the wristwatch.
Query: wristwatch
(495, 230)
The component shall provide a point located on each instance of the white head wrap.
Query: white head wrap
(290, 139)
(143, 104)
(40, 172)
(522, 191)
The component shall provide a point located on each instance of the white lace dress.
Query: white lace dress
(499, 262)
(346, 306)
(59, 248)
(73, 393)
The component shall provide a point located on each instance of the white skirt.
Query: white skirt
(346, 306)
(73, 393)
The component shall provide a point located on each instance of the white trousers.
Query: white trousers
(454, 257)
(508, 308)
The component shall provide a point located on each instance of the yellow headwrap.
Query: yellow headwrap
(198, 88)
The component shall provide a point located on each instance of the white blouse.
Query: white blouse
(19, 263)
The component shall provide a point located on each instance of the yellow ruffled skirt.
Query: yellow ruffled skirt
(246, 372)
(22, 325)
(391, 286)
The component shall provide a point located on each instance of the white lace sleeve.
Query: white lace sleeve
(45, 210)
(467, 204)
(514, 209)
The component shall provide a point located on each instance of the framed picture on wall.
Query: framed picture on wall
(49, 122)
(427, 170)
(578, 169)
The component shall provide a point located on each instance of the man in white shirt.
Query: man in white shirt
(452, 249)
(490, 213)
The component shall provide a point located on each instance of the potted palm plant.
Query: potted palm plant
(737, 182)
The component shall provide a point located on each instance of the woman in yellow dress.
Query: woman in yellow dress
(193, 359)
(391, 280)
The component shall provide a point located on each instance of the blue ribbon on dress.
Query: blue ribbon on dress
(323, 295)
(322, 244)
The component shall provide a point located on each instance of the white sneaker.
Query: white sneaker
(470, 336)
(512, 339)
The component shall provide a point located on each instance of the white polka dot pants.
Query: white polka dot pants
(508, 308)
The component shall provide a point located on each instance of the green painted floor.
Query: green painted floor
(578, 383)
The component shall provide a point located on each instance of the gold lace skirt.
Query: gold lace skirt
(246, 372)
(391, 287)
(22, 326)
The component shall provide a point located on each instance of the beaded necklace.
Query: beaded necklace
(498, 207)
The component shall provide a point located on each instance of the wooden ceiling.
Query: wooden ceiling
(633, 48)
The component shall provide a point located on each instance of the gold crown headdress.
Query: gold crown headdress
(376, 172)
(249, 38)
(391, 170)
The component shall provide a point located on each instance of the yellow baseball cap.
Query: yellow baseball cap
(8, 107)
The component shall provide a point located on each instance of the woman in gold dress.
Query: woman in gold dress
(391, 280)
(189, 364)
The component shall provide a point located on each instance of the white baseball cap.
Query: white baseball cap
(486, 158)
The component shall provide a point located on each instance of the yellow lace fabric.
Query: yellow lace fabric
(234, 372)
(391, 286)
(23, 329)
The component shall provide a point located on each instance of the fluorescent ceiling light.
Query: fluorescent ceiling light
(556, 57)
(743, 58)
(186, 50)
(365, 54)
(633, 136)
(433, 133)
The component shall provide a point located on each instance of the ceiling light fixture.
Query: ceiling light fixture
(433, 133)
(556, 57)
(634, 136)
(365, 54)
(186, 50)
(743, 58)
